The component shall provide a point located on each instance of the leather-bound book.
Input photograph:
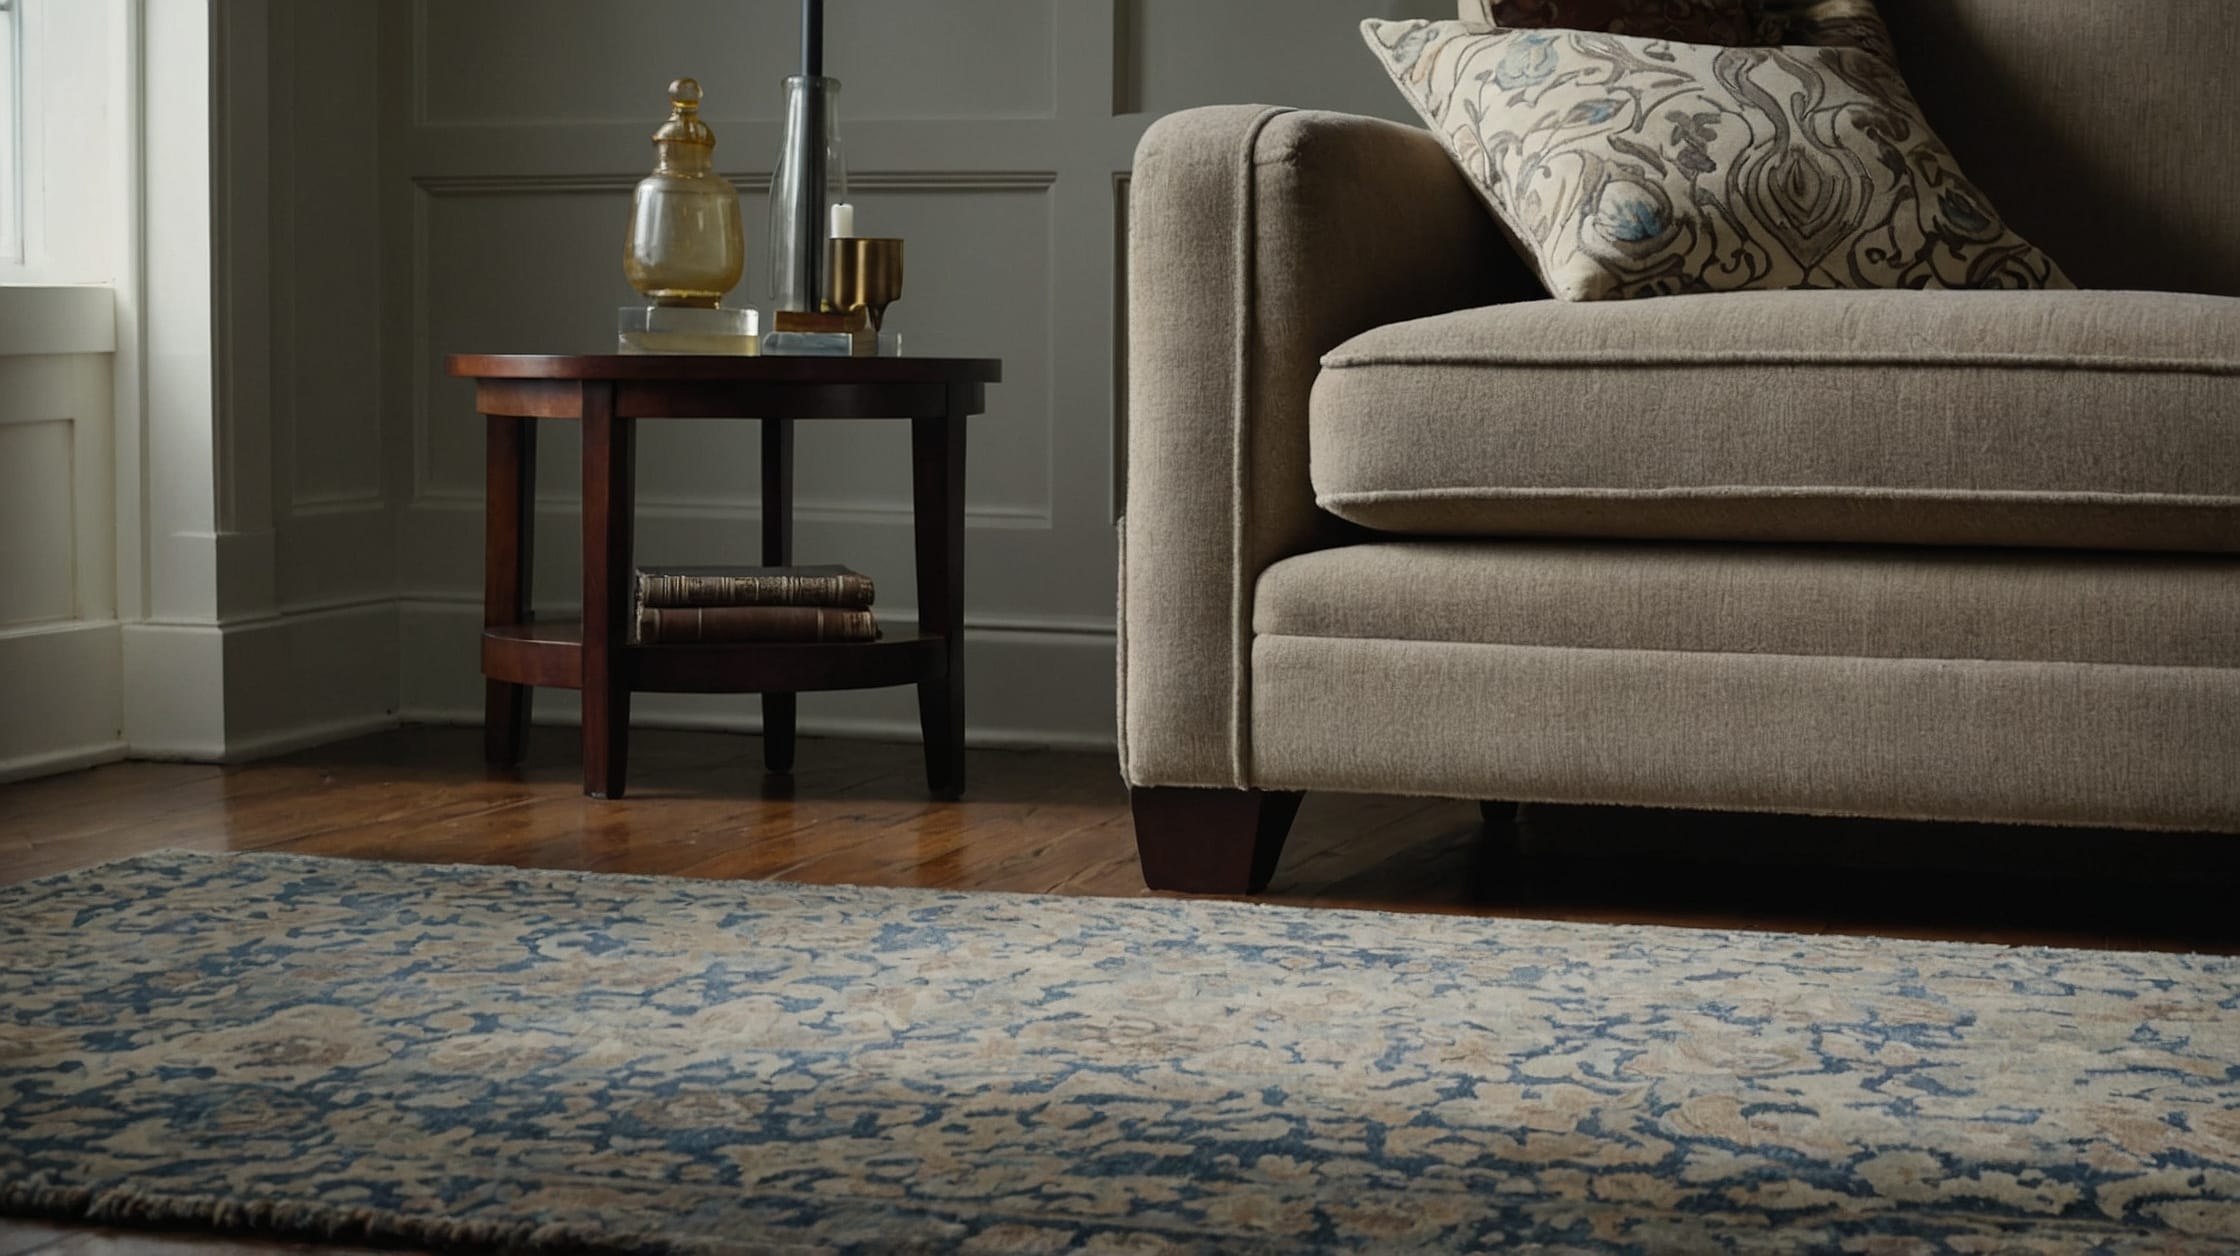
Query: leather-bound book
(829, 585)
(665, 625)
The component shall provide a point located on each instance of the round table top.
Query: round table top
(786, 369)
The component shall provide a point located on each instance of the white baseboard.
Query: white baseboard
(229, 692)
(283, 740)
(70, 759)
(646, 711)
(1025, 687)
(174, 691)
(63, 706)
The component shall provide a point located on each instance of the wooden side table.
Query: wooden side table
(609, 394)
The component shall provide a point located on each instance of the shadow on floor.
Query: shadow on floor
(2074, 887)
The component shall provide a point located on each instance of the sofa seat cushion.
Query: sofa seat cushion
(2062, 419)
(1845, 601)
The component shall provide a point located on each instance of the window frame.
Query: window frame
(76, 140)
(11, 131)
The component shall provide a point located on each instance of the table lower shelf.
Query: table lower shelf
(549, 653)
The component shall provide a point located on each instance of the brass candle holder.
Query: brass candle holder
(866, 275)
(863, 276)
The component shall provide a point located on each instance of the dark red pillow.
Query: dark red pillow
(1728, 23)
(1829, 24)
(1732, 23)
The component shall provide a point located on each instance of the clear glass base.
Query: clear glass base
(688, 329)
(831, 344)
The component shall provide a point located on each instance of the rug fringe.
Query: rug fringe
(132, 1207)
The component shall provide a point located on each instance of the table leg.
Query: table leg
(937, 472)
(508, 541)
(778, 709)
(609, 491)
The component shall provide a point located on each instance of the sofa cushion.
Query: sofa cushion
(1848, 601)
(2071, 419)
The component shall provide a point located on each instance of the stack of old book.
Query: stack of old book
(710, 604)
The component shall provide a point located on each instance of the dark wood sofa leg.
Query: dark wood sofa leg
(1503, 851)
(1211, 841)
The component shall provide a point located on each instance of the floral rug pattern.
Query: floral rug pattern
(490, 1056)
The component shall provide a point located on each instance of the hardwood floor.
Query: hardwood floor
(700, 805)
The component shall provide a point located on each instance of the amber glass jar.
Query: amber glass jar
(685, 245)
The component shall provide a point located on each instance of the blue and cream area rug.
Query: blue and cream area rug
(485, 1057)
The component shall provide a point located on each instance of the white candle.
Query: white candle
(843, 220)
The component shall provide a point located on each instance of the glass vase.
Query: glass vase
(811, 174)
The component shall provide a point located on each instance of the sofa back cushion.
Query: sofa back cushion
(2108, 134)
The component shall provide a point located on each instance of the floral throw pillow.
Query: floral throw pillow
(1631, 168)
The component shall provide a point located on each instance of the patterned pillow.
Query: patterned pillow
(1734, 23)
(1631, 168)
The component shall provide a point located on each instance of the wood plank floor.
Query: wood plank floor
(856, 812)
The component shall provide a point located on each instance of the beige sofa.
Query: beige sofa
(1397, 523)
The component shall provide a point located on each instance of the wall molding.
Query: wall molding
(422, 118)
(1060, 625)
(285, 740)
(1070, 703)
(301, 661)
(242, 325)
(1014, 209)
(262, 685)
(747, 508)
(430, 188)
(50, 762)
(659, 710)
(49, 470)
(65, 704)
(57, 318)
(417, 336)
(338, 504)
(744, 180)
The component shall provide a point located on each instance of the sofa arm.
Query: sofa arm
(1258, 240)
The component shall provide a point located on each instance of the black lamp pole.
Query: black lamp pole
(809, 228)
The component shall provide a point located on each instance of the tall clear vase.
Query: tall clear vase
(811, 174)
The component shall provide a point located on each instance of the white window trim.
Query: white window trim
(71, 208)
(11, 133)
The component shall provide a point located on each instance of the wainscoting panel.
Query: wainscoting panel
(65, 706)
(60, 703)
(1025, 685)
(57, 526)
(993, 135)
(1301, 52)
(598, 61)
(334, 519)
(38, 525)
(487, 263)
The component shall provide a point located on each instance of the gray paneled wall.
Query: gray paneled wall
(993, 134)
